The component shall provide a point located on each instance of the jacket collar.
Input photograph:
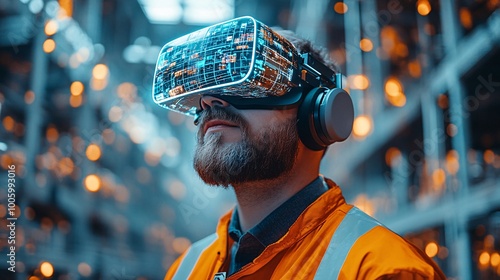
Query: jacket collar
(314, 215)
(277, 223)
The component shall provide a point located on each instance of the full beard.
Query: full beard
(261, 157)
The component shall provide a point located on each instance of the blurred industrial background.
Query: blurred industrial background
(103, 177)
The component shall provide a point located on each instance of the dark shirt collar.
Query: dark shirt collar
(274, 226)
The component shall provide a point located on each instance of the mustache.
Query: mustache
(220, 113)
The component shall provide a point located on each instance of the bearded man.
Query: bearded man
(289, 221)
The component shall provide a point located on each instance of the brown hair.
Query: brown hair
(305, 46)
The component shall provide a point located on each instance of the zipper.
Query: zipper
(214, 266)
(220, 263)
(246, 266)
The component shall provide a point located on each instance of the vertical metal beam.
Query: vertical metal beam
(424, 45)
(451, 32)
(353, 53)
(457, 93)
(34, 111)
(450, 25)
(94, 20)
(433, 132)
(87, 118)
(373, 64)
(451, 232)
(309, 16)
(33, 123)
(401, 182)
(460, 143)
(432, 121)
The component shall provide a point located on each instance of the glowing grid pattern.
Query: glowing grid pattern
(241, 57)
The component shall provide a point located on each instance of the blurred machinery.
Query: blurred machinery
(104, 183)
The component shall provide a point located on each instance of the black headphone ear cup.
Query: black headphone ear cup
(325, 116)
(306, 120)
(336, 116)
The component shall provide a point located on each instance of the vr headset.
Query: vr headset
(247, 64)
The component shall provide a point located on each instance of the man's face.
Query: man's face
(239, 146)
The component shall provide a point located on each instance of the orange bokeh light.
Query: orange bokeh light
(49, 46)
(431, 249)
(340, 8)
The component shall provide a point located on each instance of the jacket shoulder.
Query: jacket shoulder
(391, 256)
(362, 248)
(381, 253)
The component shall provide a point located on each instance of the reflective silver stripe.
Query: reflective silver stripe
(192, 256)
(353, 226)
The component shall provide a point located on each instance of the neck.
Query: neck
(257, 199)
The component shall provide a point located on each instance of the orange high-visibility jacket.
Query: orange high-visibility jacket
(329, 240)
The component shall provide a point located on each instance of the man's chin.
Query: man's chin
(214, 162)
(264, 157)
(214, 179)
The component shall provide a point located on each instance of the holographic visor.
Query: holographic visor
(241, 60)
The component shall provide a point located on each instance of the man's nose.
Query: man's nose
(208, 101)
